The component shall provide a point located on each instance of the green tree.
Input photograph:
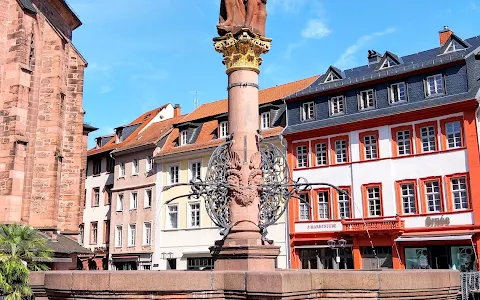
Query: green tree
(26, 244)
(14, 276)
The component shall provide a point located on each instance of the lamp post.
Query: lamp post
(337, 244)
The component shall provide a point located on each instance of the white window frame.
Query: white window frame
(96, 197)
(325, 202)
(94, 232)
(169, 174)
(133, 200)
(452, 47)
(121, 170)
(388, 63)
(361, 101)
(223, 127)
(118, 236)
(198, 163)
(132, 235)
(120, 202)
(331, 77)
(337, 105)
(183, 137)
(170, 213)
(307, 111)
(396, 87)
(321, 154)
(303, 155)
(370, 145)
(435, 92)
(428, 138)
(432, 192)
(135, 166)
(458, 191)
(265, 120)
(147, 233)
(456, 137)
(408, 198)
(344, 200)
(192, 210)
(404, 142)
(341, 152)
(149, 164)
(145, 198)
(371, 201)
(302, 207)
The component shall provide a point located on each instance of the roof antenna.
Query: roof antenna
(195, 101)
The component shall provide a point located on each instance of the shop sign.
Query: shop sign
(318, 227)
(437, 222)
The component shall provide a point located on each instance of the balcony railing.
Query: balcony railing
(374, 225)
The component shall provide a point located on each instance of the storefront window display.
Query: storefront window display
(460, 258)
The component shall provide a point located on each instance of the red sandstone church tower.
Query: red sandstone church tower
(42, 134)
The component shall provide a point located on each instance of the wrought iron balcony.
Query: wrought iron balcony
(373, 225)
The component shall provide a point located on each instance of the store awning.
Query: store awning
(422, 238)
(317, 246)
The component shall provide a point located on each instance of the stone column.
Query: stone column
(243, 248)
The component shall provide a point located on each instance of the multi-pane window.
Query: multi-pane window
(94, 231)
(110, 165)
(172, 217)
(223, 129)
(434, 85)
(200, 263)
(304, 209)
(374, 201)
(265, 117)
(81, 228)
(134, 200)
(118, 236)
(398, 92)
(323, 205)
(321, 154)
(97, 166)
(135, 167)
(459, 193)
(183, 137)
(195, 214)
(404, 144)
(331, 77)
(370, 146)
(454, 46)
(409, 203)
(337, 105)
(108, 194)
(453, 132)
(433, 196)
(366, 99)
(388, 63)
(428, 138)
(147, 202)
(344, 206)
(308, 111)
(106, 236)
(132, 235)
(173, 174)
(149, 165)
(96, 197)
(302, 157)
(147, 233)
(340, 151)
(196, 170)
(121, 170)
(120, 202)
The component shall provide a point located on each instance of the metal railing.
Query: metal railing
(469, 281)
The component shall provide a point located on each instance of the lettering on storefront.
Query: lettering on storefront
(437, 222)
(316, 227)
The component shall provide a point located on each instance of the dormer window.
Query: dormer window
(223, 129)
(308, 111)
(454, 46)
(388, 63)
(119, 136)
(183, 137)
(98, 142)
(332, 74)
(265, 120)
(331, 77)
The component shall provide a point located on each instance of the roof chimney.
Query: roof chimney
(177, 110)
(444, 35)
(373, 57)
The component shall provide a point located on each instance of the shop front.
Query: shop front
(131, 262)
(325, 256)
(438, 252)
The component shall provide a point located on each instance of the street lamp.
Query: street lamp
(337, 244)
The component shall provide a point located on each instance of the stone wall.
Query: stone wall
(41, 131)
(361, 285)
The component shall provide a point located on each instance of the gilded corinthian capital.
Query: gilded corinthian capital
(242, 50)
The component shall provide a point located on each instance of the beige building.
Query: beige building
(185, 230)
(133, 207)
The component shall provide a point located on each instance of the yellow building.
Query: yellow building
(184, 231)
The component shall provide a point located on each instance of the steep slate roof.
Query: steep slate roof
(143, 119)
(410, 63)
(64, 244)
(265, 96)
(151, 135)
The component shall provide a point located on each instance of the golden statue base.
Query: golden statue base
(242, 50)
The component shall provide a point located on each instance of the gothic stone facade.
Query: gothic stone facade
(42, 137)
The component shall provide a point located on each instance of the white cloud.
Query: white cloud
(315, 29)
(348, 57)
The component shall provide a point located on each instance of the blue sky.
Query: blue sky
(145, 53)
